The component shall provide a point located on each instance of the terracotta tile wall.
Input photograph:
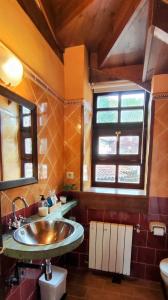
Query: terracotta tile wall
(28, 288)
(73, 142)
(50, 112)
(159, 170)
(147, 251)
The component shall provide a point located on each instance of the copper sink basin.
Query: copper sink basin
(43, 233)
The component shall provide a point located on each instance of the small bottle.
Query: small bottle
(54, 197)
(43, 207)
(49, 199)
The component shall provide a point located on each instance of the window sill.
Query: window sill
(125, 200)
(117, 191)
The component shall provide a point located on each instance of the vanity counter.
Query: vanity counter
(20, 251)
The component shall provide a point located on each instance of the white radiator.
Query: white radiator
(110, 247)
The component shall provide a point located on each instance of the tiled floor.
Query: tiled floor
(85, 285)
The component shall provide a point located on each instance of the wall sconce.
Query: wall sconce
(11, 69)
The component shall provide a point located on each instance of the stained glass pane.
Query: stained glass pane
(132, 116)
(27, 121)
(108, 101)
(107, 145)
(28, 145)
(28, 170)
(107, 117)
(105, 173)
(129, 174)
(136, 99)
(129, 145)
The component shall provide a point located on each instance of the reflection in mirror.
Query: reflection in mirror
(18, 149)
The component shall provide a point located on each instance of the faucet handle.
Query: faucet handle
(22, 219)
(16, 223)
(10, 224)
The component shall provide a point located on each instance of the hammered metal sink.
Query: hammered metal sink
(43, 233)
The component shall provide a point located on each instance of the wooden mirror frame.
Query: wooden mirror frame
(4, 185)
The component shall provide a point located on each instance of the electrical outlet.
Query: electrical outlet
(70, 175)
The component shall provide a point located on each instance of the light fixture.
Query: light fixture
(11, 69)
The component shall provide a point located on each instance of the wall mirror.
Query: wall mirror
(18, 140)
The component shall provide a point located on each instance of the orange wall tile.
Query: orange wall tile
(50, 112)
(72, 142)
(159, 168)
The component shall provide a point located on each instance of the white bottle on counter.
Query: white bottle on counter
(43, 207)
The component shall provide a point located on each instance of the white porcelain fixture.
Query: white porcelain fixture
(164, 272)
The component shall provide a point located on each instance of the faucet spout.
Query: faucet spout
(13, 204)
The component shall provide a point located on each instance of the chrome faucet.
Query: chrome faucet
(15, 223)
(13, 204)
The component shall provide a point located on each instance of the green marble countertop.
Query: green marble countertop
(20, 251)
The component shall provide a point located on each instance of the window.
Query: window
(119, 139)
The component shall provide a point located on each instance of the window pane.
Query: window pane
(107, 101)
(107, 117)
(28, 145)
(105, 173)
(28, 170)
(25, 110)
(27, 121)
(107, 145)
(132, 116)
(129, 145)
(129, 174)
(132, 100)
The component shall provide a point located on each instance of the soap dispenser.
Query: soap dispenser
(43, 207)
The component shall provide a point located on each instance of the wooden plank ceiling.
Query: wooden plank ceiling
(116, 31)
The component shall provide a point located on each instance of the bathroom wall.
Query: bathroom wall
(21, 36)
(148, 250)
(159, 165)
(50, 146)
(50, 165)
(78, 97)
(72, 142)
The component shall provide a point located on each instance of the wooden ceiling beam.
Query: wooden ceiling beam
(160, 15)
(156, 59)
(125, 17)
(65, 11)
(32, 9)
(49, 21)
(145, 85)
(132, 73)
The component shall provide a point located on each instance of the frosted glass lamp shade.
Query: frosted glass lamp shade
(11, 69)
